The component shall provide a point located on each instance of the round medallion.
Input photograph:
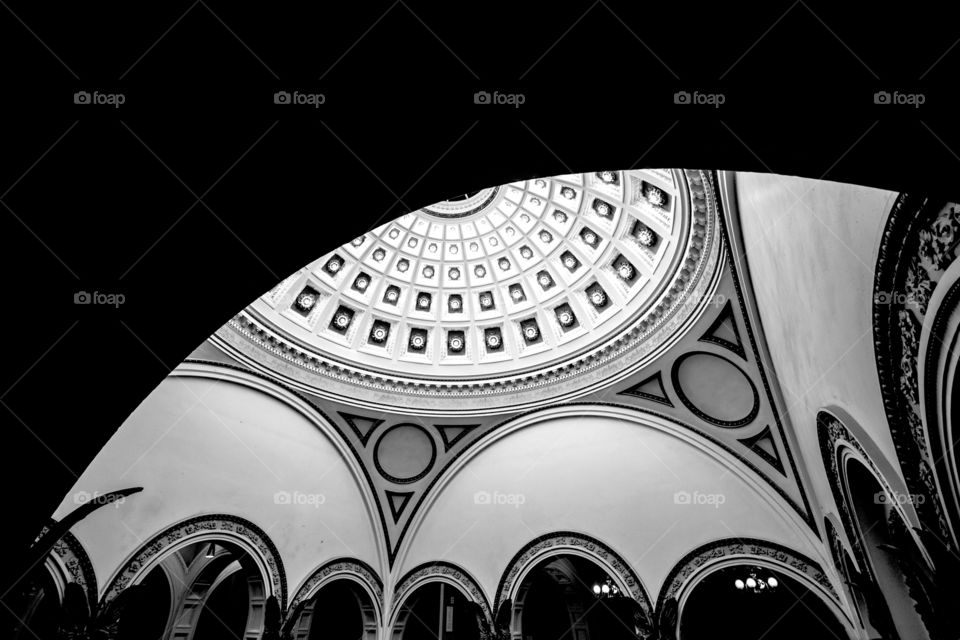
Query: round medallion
(404, 453)
(715, 389)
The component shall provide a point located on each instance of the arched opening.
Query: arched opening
(209, 590)
(224, 614)
(38, 607)
(339, 609)
(721, 607)
(437, 611)
(881, 528)
(572, 598)
(150, 609)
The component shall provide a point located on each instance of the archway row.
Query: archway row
(581, 572)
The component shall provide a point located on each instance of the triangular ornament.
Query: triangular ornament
(451, 434)
(764, 446)
(362, 427)
(724, 331)
(398, 501)
(650, 388)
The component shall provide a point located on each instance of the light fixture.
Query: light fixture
(756, 582)
(306, 300)
(455, 341)
(605, 589)
(655, 197)
(601, 208)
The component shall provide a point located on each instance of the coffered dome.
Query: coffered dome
(513, 280)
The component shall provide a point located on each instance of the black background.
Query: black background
(199, 193)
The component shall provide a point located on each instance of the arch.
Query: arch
(256, 380)
(68, 561)
(938, 361)
(210, 528)
(570, 543)
(357, 572)
(438, 571)
(772, 495)
(719, 554)
(845, 568)
(837, 446)
(914, 257)
(192, 585)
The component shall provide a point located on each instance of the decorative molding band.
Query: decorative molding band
(684, 574)
(73, 558)
(918, 245)
(343, 568)
(443, 571)
(553, 544)
(204, 527)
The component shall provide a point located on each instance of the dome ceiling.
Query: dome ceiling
(507, 281)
